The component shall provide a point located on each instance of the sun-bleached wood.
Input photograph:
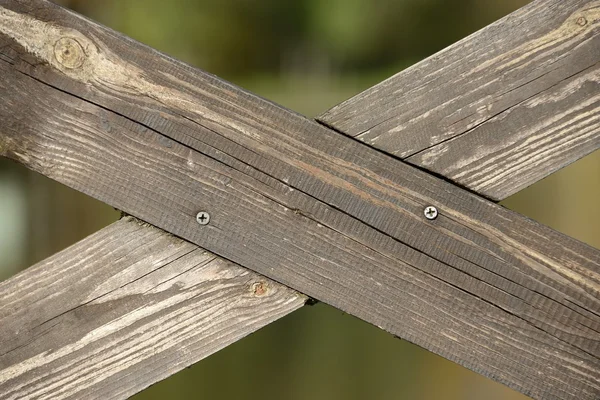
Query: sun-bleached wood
(308, 207)
(498, 110)
(123, 309)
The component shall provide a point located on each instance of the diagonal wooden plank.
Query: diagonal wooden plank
(123, 309)
(311, 208)
(525, 143)
(498, 110)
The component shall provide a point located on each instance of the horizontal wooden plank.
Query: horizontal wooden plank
(123, 309)
(299, 203)
(498, 110)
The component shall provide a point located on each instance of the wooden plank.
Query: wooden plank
(123, 309)
(299, 203)
(498, 110)
(526, 142)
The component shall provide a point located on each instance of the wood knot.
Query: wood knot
(260, 289)
(581, 21)
(69, 53)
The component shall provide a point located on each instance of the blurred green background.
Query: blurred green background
(307, 55)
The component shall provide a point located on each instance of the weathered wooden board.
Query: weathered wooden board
(123, 309)
(300, 203)
(498, 110)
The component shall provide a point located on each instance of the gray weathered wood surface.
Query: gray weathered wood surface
(123, 309)
(498, 110)
(308, 207)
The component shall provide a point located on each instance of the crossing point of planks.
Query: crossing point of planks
(322, 213)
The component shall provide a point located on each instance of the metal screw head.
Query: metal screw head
(430, 212)
(203, 218)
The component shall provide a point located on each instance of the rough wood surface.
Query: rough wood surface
(498, 110)
(302, 204)
(123, 309)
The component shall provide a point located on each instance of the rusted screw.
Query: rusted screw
(203, 218)
(581, 21)
(430, 212)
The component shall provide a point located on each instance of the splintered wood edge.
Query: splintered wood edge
(123, 309)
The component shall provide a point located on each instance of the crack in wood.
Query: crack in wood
(453, 98)
(303, 205)
(167, 305)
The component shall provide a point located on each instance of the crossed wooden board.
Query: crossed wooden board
(301, 206)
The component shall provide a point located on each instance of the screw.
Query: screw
(203, 218)
(431, 212)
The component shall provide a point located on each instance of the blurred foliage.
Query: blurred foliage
(307, 55)
(240, 38)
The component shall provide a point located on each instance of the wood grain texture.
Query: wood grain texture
(498, 110)
(308, 207)
(123, 309)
